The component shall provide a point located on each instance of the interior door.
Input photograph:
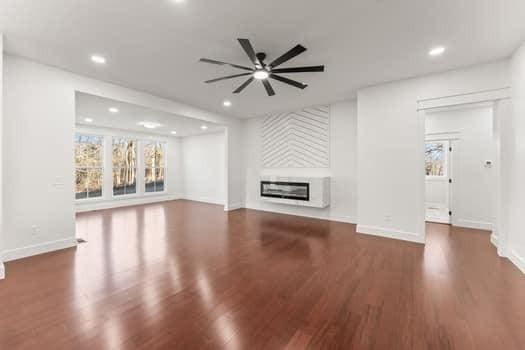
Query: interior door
(437, 169)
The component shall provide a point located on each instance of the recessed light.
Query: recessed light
(150, 125)
(113, 109)
(174, 132)
(261, 74)
(98, 59)
(437, 51)
(179, 1)
(227, 103)
(88, 120)
(204, 127)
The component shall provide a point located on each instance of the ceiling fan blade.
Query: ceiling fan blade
(268, 87)
(297, 50)
(248, 48)
(207, 60)
(245, 84)
(299, 69)
(228, 77)
(289, 81)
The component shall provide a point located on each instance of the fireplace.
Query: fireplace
(286, 190)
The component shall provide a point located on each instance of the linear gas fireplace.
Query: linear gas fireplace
(286, 190)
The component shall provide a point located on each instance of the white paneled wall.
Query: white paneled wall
(298, 139)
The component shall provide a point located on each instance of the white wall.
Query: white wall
(2, 269)
(473, 183)
(204, 167)
(391, 192)
(513, 172)
(174, 173)
(342, 170)
(39, 107)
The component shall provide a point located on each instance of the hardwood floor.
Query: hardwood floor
(186, 275)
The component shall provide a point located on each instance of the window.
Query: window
(88, 166)
(124, 166)
(435, 158)
(154, 166)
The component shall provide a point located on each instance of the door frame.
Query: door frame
(494, 97)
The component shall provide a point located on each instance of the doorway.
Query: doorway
(438, 180)
(459, 179)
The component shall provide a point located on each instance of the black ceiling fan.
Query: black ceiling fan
(262, 71)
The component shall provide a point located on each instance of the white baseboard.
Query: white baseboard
(494, 240)
(477, 225)
(390, 233)
(2, 271)
(235, 206)
(209, 200)
(118, 203)
(338, 218)
(517, 260)
(37, 249)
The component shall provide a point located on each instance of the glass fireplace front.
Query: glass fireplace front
(286, 190)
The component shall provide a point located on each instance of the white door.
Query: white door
(437, 169)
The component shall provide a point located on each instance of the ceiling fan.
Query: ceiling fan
(263, 71)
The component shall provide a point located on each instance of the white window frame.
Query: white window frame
(446, 145)
(102, 168)
(137, 160)
(143, 163)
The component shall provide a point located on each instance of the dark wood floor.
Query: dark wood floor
(184, 275)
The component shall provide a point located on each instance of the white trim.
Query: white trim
(40, 248)
(440, 136)
(390, 233)
(2, 271)
(209, 200)
(337, 218)
(517, 260)
(234, 206)
(477, 225)
(125, 202)
(494, 240)
(462, 99)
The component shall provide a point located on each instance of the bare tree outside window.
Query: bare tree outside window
(124, 166)
(154, 175)
(435, 153)
(88, 166)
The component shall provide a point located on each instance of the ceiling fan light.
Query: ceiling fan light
(261, 74)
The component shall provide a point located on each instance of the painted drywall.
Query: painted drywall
(203, 165)
(513, 172)
(473, 182)
(342, 168)
(173, 162)
(390, 133)
(39, 107)
(2, 269)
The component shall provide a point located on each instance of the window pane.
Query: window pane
(88, 151)
(149, 154)
(131, 180)
(124, 166)
(81, 184)
(124, 153)
(118, 182)
(94, 183)
(435, 159)
(159, 179)
(149, 179)
(159, 161)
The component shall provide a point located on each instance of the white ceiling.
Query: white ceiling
(155, 45)
(129, 116)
